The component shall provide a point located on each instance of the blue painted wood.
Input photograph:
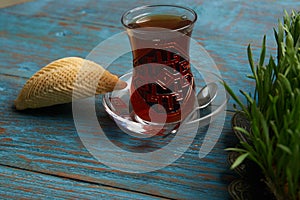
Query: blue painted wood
(224, 28)
(45, 140)
(20, 184)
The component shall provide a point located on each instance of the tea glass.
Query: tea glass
(162, 89)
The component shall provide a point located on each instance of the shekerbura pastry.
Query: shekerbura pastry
(65, 80)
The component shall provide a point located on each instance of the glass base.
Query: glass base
(117, 105)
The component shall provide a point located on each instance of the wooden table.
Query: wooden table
(41, 155)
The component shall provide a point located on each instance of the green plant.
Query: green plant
(274, 112)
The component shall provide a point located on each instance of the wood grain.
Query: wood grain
(20, 184)
(79, 28)
(45, 140)
(7, 3)
(57, 150)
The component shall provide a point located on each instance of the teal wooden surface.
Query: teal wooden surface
(57, 150)
(41, 147)
(20, 184)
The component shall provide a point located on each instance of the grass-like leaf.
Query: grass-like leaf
(273, 141)
(235, 98)
(236, 150)
(263, 52)
(239, 160)
(284, 148)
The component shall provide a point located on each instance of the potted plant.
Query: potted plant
(272, 141)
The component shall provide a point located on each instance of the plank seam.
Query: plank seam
(66, 20)
(85, 181)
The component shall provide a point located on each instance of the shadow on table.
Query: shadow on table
(62, 110)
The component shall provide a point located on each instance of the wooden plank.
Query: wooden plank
(46, 43)
(46, 141)
(20, 184)
(241, 22)
(45, 46)
(78, 26)
(7, 3)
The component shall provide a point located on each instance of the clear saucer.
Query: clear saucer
(117, 105)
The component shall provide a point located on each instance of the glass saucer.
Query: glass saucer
(117, 105)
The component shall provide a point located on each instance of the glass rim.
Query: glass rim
(160, 5)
